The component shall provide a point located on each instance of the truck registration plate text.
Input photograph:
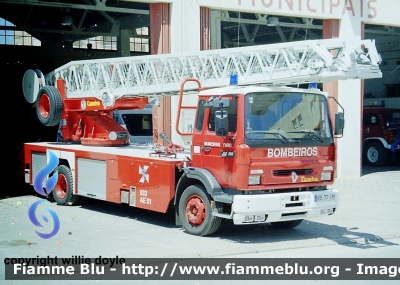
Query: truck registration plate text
(324, 197)
(254, 218)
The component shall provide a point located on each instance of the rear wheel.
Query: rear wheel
(287, 224)
(63, 191)
(195, 212)
(49, 106)
(375, 154)
(397, 156)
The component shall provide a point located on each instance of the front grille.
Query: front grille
(287, 172)
(294, 205)
(294, 214)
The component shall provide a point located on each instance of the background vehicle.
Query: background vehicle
(380, 134)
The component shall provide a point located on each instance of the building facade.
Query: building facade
(183, 25)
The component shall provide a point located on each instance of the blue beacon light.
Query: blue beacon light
(233, 80)
(312, 85)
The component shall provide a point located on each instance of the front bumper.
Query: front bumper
(265, 208)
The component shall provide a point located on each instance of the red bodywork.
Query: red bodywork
(375, 120)
(151, 178)
(88, 121)
(155, 183)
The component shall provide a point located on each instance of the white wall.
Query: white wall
(369, 11)
(349, 95)
(185, 36)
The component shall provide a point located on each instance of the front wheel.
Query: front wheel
(287, 224)
(375, 154)
(63, 191)
(195, 212)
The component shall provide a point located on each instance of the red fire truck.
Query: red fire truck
(259, 152)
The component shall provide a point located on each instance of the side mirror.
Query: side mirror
(221, 103)
(339, 124)
(339, 120)
(221, 123)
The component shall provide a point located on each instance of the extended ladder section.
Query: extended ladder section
(279, 64)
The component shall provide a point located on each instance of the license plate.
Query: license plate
(326, 212)
(260, 218)
(254, 218)
(324, 197)
(248, 219)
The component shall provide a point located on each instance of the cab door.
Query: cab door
(212, 152)
(372, 126)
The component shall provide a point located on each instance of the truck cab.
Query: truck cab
(380, 134)
(266, 129)
(263, 154)
(139, 124)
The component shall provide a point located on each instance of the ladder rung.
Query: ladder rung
(278, 64)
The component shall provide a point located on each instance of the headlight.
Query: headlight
(112, 136)
(254, 179)
(326, 176)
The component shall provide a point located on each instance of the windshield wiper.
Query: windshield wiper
(312, 134)
(276, 134)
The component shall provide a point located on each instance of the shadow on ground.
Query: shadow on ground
(307, 230)
(253, 234)
(392, 166)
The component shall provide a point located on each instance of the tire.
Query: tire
(195, 212)
(49, 106)
(287, 224)
(397, 157)
(375, 154)
(63, 191)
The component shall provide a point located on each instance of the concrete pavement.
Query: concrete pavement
(365, 225)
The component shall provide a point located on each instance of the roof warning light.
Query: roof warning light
(312, 85)
(233, 80)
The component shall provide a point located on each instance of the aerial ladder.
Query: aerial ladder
(82, 94)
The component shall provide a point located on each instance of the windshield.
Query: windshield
(286, 118)
(138, 124)
(391, 117)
